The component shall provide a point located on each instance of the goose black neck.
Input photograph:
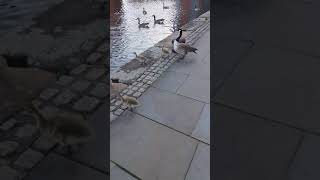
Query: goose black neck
(178, 38)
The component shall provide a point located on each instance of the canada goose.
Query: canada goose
(182, 48)
(140, 58)
(165, 50)
(195, 7)
(131, 102)
(117, 87)
(144, 11)
(142, 25)
(68, 129)
(180, 40)
(157, 21)
(164, 7)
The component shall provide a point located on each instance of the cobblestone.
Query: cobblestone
(48, 93)
(137, 94)
(80, 85)
(134, 88)
(8, 173)
(8, 147)
(25, 131)
(64, 98)
(112, 117)
(100, 90)
(142, 90)
(112, 108)
(65, 80)
(44, 143)
(86, 104)
(118, 103)
(118, 112)
(79, 69)
(28, 159)
(139, 84)
(8, 124)
(95, 73)
(94, 57)
(129, 92)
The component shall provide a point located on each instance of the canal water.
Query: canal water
(127, 38)
(17, 14)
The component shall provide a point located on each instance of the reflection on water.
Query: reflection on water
(126, 37)
(19, 13)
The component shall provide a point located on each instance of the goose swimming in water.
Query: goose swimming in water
(164, 7)
(157, 21)
(196, 8)
(181, 47)
(142, 25)
(144, 11)
(140, 58)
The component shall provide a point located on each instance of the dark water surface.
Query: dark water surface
(18, 14)
(126, 37)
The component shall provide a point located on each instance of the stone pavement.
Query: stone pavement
(266, 91)
(168, 136)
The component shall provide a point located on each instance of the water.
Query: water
(127, 38)
(16, 14)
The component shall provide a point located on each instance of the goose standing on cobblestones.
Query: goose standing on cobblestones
(182, 47)
(69, 130)
(157, 21)
(131, 102)
(141, 58)
(142, 25)
(117, 87)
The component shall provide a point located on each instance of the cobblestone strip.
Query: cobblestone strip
(151, 74)
(22, 146)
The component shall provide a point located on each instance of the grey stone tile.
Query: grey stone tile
(94, 153)
(170, 81)
(246, 147)
(202, 130)
(173, 110)
(119, 174)
(281, 86)
(8, 147)
(195, 88)
(224, 61)
(149, 150)
(307, 160)
(44, 143)
(200, 165)
(193, 66)
(55, 167)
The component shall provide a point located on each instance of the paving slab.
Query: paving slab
(173, 110)
(307, 160)
(246, 147)
(118, 174)
(55, 167)
(150, 150)
(226, 56)
(170, 81)
(200, 165)
(196, 88)
(278, 85)
(202, 130)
